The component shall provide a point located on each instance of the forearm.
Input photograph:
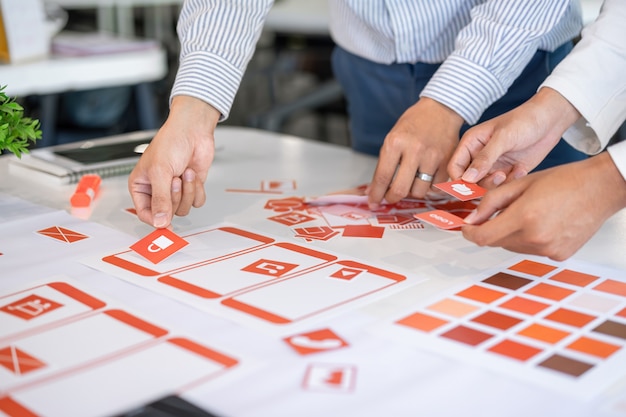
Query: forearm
(217, 39)
(493, 50)
(592, 78)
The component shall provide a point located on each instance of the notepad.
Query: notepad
(67, 163)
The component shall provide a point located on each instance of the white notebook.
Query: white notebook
(67, 163)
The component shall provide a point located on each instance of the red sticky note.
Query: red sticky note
(441, 219)
(462, 190)
(363, 230)
(159, 244)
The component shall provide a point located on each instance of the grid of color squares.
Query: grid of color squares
(542, 316)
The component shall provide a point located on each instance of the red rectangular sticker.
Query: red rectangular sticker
(441, 219)
(158, 245)
(462, 190)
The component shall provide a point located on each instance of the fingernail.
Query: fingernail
(374, 206)
(520, 174)
(471, 217)
(160, 220)
(189, 175)
(175, 186)
(470, 175)
(499, 179)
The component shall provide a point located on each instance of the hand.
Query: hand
(169, 177)
(511, 145)
(552, 212)
(421, 141)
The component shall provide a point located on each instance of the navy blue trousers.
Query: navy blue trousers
(378, 94)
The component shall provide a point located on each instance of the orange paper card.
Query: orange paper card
(462, 190)
(158, 245)
(441, 219)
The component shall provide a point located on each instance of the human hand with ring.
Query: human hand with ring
(415, 153)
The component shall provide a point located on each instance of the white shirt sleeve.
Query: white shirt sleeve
(217, 38)
(593, 79)
(493, 50)
(618, 154)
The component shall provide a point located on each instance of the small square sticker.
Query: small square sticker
(441, 219)
(158, 245)
(462, 190)
(316, 341)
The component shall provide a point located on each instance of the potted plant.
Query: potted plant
(16, 131)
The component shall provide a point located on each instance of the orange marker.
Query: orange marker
(86, 190)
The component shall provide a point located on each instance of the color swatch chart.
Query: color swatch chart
(559, 325)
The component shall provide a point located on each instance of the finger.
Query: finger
(421, 187)
(188, 192)
(493, 202)
(383, 175)
(141, 195)
(404, 179)
(200, 194)
(176, 192)
(459, 162)
(483, 158)
(493, 180)
(518, 171)
(161, 199)
(492, 232)
(471, 144)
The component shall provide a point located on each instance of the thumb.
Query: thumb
(494, 201)
(483, 162)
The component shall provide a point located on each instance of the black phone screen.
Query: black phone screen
(103, 153)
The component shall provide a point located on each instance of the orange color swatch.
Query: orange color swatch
(532, 268)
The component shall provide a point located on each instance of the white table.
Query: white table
(399, 380)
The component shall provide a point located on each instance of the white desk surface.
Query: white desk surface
(396, 380)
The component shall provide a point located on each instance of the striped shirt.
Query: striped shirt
(483, 45)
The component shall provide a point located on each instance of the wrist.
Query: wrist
(196, 111)
(603, 170)
(444, 113)
(556, 110)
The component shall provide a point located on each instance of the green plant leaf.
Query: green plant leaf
(16, 130)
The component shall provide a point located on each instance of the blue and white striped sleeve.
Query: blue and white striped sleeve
(493, 49)
(217, 38)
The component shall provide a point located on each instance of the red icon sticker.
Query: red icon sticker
(19, 362)
(330, 378)
(62, 234)
(284, 205)
(158, 245)
(462, 190)
(315, 342)
(292, 218)
(363, 230)
(315, 233)
(441, 219)
(30, 307)
(346, 273)
(269, 267)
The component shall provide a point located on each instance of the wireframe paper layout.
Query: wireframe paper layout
(245, 276)
(60, 340)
